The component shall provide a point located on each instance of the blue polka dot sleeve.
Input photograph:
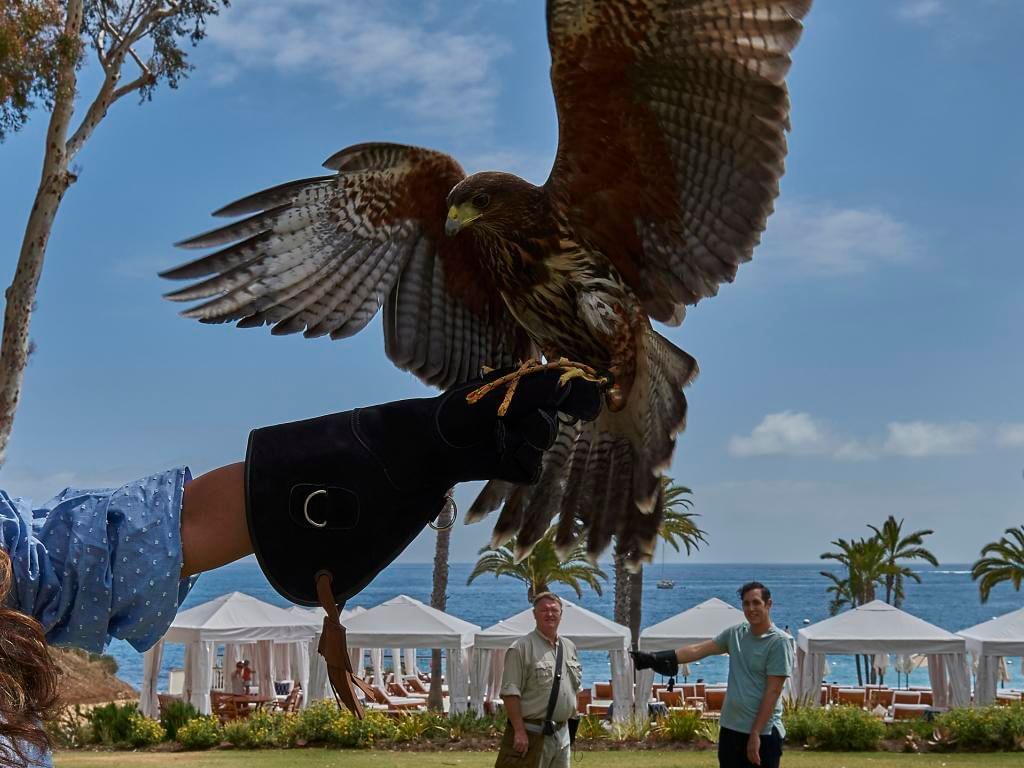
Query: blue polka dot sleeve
(94, 564)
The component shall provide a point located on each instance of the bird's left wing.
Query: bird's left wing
(322, 255)
(672, 118)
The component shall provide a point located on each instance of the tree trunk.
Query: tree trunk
(622, 589)
(860, 679)
(438, 600)
(21, 295)
(636, 600)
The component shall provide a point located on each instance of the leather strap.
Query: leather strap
(556, 685)
(334, 648)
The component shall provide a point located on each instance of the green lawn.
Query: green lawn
(316, 758)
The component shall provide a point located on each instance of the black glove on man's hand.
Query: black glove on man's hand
(346, 493)
(662, 662)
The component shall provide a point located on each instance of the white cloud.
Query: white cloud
(411, 60)
(787, 433)
(920, 10)
(795, 433)
(823, 240)
(1011, 434)
(917, 439)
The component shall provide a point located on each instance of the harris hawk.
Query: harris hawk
(672, 117)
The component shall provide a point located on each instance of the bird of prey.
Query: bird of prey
(672, 117)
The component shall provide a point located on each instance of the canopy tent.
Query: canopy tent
(878, 627)
(703, 621)
(232, 620)
(991, 642)
(588, 630)
(403, 622)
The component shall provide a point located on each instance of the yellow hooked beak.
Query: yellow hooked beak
(459, 216)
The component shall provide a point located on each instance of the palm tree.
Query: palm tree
(899, 548)
(439, 600)
(842, 596)
(542, 567)
(1000, 561)
(678, 527)
(866, 568)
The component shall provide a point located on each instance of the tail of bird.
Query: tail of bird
(602, 477)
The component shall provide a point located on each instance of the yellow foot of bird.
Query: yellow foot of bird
(570, 370)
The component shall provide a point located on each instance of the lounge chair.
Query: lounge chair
(396, 702)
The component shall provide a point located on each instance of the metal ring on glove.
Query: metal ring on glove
(305, 510)
(455, 515)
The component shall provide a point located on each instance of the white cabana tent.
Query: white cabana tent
(991, 641)
(703, 621)
(878, 627)
(403, 622)
(232, 620)
(588, 630)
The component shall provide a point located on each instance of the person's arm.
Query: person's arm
(521, 741)
(513, 680)
(772, 691)
(214, 531)
(667, 662)
(698, 651)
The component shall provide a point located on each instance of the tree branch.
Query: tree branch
(14, 348)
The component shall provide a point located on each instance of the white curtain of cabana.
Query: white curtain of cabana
(881, 628)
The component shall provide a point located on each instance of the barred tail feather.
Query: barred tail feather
(602, 478)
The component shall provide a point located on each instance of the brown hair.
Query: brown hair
(28, 679)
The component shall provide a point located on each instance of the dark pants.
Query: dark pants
(732, 749)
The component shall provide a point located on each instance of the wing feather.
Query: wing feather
(322, 255)
(672, 122)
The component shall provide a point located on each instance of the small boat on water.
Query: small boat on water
(664, 583)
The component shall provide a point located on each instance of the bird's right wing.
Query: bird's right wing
(322, 255)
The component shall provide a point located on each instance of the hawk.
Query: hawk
(672, 120)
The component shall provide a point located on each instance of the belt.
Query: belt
(537, 726)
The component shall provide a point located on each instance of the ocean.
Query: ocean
(946, 597)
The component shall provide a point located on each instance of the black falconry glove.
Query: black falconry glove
(332, 501)
(662, 662)
(346, 493)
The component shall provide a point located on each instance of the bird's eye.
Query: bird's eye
(481, 201)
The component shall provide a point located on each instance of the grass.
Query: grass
(318, 758)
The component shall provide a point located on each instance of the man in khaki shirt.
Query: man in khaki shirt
(527, 679)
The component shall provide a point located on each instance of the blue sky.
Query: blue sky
(866, 363)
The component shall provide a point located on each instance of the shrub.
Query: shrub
(982, 728)
(202, 732)
(111, 724)
(70, 729)
(685, 725)
(633, 729)
(844, 729)
(316, 722)
(260, 729)
(591, 727)
(144, 731)
(918, 729)
(176, 714)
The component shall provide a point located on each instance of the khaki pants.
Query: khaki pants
(554, 754)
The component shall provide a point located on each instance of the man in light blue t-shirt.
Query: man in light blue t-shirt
(760, 660)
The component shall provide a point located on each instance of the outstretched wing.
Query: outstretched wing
(322, 255)
(672, 119)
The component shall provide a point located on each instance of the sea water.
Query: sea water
(946, 597)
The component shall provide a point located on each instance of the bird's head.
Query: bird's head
(493, 201)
